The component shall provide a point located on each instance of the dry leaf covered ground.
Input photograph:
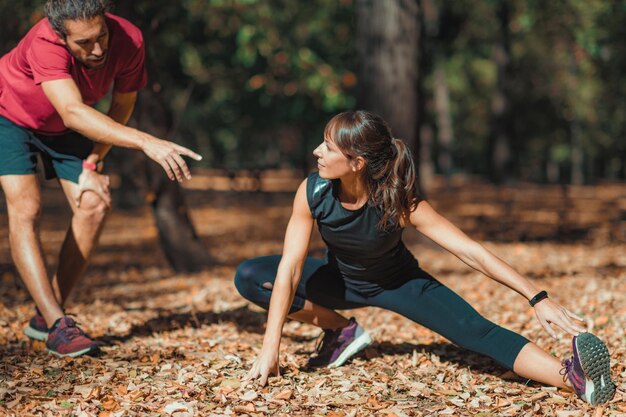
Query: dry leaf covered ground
(179, 344)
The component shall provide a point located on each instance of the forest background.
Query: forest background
(515, 111)
(511, 90)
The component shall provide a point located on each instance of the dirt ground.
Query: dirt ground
(180, 344)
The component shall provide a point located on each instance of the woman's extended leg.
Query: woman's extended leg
(431, 304)
(534, 363)
(587, 372)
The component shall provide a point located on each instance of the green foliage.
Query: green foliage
(264, 75)
(253, 82)
(567, 61)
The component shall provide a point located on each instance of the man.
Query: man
(65, 63)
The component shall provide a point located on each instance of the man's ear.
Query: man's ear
(358, 163)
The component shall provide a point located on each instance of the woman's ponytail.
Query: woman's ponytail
(389, 172)
(397, 193)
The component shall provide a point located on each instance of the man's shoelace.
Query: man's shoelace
(71, 330)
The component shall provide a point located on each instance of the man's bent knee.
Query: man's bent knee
(92, 206)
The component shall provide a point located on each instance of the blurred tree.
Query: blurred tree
(181, 244)
(500, 136)
(434, 48)
(387, 43)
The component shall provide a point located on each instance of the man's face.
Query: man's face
(88, 41)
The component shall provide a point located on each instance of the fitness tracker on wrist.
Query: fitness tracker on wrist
(540, 296)
(91, 166)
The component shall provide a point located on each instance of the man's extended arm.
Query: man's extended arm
(66, 99)
(122, 105)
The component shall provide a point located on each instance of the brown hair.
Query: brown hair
(58, 11)
(389, 171)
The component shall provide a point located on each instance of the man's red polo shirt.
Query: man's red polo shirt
(40, 57)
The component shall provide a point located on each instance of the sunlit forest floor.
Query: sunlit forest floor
(179, 344)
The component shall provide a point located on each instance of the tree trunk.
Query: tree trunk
(424, 129)
(180, 243)
(499, 143)
(441, 93)
(577, 171)
(576, 142)
(182, 247)
(444, 119)
(387, 45)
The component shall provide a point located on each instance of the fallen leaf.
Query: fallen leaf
(283, 395)
(249, 396)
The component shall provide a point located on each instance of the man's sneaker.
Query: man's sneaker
(66, 339)
(589, 370)
(337, 346)
(37, 328)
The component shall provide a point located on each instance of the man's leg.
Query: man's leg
(80, 240)
(23, 197)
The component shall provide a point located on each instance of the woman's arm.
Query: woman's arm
(287, 278)
(441, 231)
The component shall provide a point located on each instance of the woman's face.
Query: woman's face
(331, 162)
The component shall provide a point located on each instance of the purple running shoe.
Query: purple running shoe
(588, 370)
(37, 328)
(67, 339)
(337, 346)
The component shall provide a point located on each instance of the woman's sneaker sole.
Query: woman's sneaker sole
(73, 354)
(353, 348)
(594, 358)
(36, 334)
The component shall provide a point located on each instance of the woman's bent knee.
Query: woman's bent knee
(244, 280)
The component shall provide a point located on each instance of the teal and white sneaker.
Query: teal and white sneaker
(588, 370)
(339, 345)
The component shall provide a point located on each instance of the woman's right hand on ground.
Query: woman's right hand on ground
(266, 364)
(168, 155)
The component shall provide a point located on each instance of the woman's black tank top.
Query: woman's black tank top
(365, 256)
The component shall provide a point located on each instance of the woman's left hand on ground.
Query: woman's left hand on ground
(265, 365)
(549, 312)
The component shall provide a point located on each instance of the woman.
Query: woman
(364, 194)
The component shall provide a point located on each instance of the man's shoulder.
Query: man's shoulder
(118, 24)
(42, 43)
(42, 31)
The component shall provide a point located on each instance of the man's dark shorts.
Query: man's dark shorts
(62, 155)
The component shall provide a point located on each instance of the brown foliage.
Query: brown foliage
(178, 345)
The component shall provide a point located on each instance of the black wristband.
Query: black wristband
(540, 296)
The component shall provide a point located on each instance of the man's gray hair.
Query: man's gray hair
(58, 11)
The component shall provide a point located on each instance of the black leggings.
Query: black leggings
(422, 299)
